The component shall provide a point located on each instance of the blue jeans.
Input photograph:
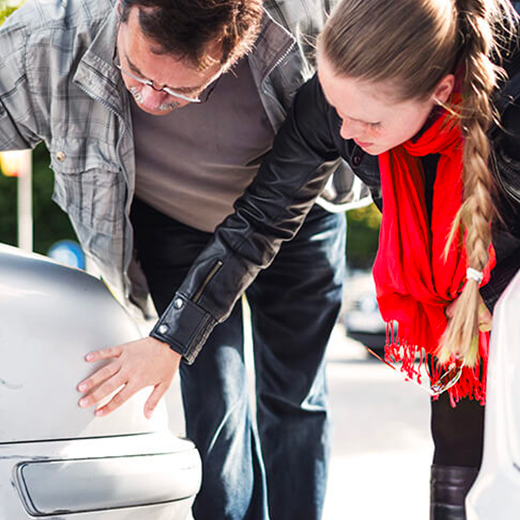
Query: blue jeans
(279, 472)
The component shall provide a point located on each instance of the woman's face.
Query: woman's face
(370, 113)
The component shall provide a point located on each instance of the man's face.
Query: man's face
(141, 58)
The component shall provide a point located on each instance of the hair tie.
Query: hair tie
(473, 274)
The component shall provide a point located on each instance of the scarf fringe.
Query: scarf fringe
(471, 384)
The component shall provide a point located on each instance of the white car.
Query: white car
(60, 461)
(495, 495)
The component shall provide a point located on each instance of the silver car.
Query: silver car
(361, 316)
(60, 461)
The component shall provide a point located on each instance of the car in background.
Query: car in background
(495, 495)
(56, 459)
(360, 315)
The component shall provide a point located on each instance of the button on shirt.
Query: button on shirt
(193, 163)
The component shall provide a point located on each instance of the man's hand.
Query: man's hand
(134, 365)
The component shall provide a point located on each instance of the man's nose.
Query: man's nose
(151, 98)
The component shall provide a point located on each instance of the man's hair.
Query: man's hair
(186, 28)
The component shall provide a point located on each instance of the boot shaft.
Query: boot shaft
(449, 486)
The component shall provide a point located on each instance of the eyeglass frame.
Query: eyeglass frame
(437, 388)
(208, 90)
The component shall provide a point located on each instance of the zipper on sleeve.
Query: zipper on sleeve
(214, 270)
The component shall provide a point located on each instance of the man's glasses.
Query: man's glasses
(202, 98)
(448, 378)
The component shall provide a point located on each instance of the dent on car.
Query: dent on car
(59, 459)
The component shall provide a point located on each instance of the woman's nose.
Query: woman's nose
(350, 129)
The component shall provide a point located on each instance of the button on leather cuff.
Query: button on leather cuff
(185, 327)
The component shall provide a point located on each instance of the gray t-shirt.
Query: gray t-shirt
(193, 163)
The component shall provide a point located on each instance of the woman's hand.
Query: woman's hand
(133, 366)
(485, 318)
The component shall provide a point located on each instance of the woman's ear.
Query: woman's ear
(444, 89)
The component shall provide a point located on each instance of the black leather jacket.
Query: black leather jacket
(271, 211)
(276, 203)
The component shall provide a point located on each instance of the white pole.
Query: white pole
(25, 218)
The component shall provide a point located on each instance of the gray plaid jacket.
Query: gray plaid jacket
(58, 84)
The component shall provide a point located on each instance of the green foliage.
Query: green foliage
(362, 236)
(8, 210)
(6, 8)
(50, 224)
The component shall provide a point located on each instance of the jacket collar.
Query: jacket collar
(96, 73)
(273, 42)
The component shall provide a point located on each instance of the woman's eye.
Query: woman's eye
(374, 125)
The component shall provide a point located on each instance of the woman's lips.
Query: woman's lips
(362, 144)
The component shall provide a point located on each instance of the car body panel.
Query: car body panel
(496, 492)
(56, 459)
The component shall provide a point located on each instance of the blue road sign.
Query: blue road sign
(69, 253)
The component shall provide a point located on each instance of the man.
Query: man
(146, 194)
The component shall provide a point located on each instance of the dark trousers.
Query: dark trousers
(278, 472)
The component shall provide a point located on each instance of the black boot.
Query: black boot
(449, 486)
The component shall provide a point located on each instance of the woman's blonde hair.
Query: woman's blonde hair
(412, 45)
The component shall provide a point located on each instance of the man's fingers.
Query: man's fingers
(133, 366)
(117, 400)
(98, 377)
(156, 395)
(103, 391)
(105, 353)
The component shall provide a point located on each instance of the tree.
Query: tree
(363, 236)
(6, 8)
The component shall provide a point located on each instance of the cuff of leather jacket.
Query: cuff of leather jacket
(490, 299)
(185, 327)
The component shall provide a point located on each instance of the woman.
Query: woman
(414, 83)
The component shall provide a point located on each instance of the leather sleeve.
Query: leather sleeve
(270, 212)
(501, 276)
(505, 162)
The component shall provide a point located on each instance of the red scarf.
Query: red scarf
(414, 281)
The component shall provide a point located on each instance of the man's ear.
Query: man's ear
(119, 7)
(444, 89)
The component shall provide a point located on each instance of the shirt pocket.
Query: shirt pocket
(88, 184)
